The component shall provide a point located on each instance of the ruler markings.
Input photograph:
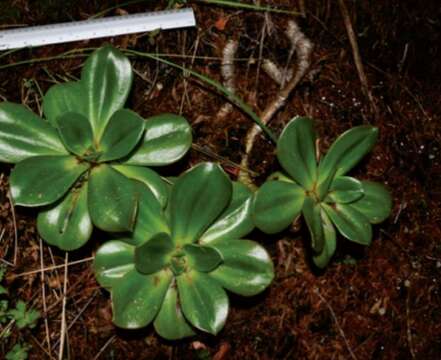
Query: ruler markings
(96, 28)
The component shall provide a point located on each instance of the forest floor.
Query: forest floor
(380, 302)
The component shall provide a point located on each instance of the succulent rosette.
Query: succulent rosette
(78, 161)
(320, 189)
(174, 268)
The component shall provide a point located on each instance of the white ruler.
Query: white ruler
(98, 28)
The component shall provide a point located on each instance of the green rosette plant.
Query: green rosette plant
(320, 190)
(173, 269)
(79, 160)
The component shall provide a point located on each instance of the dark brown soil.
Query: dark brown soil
(381, 302)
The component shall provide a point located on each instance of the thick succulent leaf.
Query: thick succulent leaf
(148, 177)
(345, 189)
(322, 259)
(113, 260)
(23, 135)
(202, 258)
(170, 322)
(154, 254)
(351, 223)
(296, 151)
(42, 180)
(166, 139)
(113, 199)
(63, 98)
(75, 132)
(311, 212)
(107, 78)
(376, 204)
(236, 220)
(137, 298)
(122, 133)
(198, 197)
(347, 151)
(67, 224)
(204, 302)
(247, 268)
(276, 205)
(150, 219)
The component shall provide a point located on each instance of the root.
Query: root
(303, 48)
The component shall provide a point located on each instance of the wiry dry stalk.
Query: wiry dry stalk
(303, 47)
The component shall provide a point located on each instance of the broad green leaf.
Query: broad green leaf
(42, 180)
(198, 197)
(276, 205)
(347, 151)
(137, 298)
(311, 212)
(63, 98)
(376, 204)
(122, 133)
(166, 139)
(345, 189)
(202, 258)
(170, 322)
(203, 301)
(247, 268)
(23, 135)
(149, 178)
(113, 260)
(236, 220)
(296, 151)
(113, 199)
(150, 219)
(154, 254)
(351, 223)
(322, 259)
(107, 78)
(67, 224)
(75, 132)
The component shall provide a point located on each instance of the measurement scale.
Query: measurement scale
(96, 28)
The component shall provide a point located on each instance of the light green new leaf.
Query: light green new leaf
(122, 133)
(150, 219)
(23, 135)
(107, 78)
(296, 151)
(349, 148)
(202, 258)
(247, 268)
(137, 298)
(236, 220)
(42, 180)
(351, 223)
(113, 199)
(276, 205)
(149, 178)
(312, 214)
(322, 259)
(63, 98)
(75, 132)
(67, 224)
(198, 197)
(345, 189)
(170, 322)
(154, 254)
(113, 260)
(376, 204)
(166, 139)
(203, 301)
